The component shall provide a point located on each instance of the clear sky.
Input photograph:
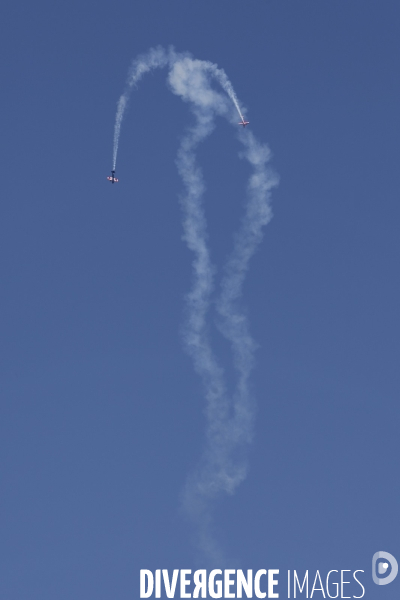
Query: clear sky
(101, 412)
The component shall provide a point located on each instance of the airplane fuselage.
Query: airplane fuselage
(113, 179)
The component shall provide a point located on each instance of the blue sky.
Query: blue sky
(101, 411)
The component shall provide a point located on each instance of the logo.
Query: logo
(381, 561)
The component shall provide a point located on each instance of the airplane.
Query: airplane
(243, 122)
(113, 179)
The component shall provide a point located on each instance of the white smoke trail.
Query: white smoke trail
(158, 58)
(223, 80)
(233, 322)
(188, 79)
(121, 106)
(155, 58)
(229, 420)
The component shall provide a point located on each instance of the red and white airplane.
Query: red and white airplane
(113, 179)
(243, 122)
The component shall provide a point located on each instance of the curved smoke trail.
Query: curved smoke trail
(229, 420)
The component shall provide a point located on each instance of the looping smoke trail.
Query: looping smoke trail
(154, 58)
(229, 420)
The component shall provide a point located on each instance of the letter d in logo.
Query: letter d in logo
(383, 567)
